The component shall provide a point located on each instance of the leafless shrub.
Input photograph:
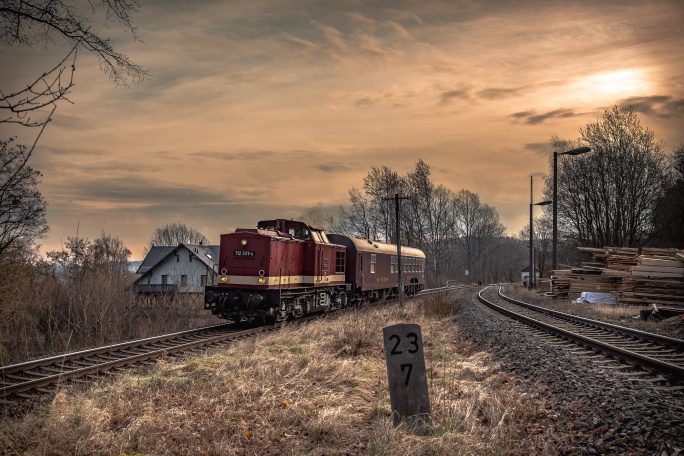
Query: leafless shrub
(440, 305)
(354, 335)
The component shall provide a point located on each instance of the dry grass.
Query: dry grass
(316, 389)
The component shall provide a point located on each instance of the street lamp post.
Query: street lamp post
(532, 279)
(579, 150)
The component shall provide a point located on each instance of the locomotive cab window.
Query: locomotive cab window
(320, 237)
(299, 232)
(372, 263)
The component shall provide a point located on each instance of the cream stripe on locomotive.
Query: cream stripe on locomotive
(284, 280)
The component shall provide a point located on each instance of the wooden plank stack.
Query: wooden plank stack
(638, 276)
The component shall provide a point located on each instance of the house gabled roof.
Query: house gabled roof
(207, 254)
(154, 256)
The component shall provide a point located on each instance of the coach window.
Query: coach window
(339, 263)
(372, 266)
(393, 264)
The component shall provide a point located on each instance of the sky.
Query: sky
(274, 109)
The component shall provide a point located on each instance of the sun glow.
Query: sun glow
(612, 84)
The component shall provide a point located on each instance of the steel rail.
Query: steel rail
(663, 340)
(61, 359)
(446, 289)
(627, 355)
(28, 384)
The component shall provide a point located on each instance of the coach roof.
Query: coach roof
(365, 245)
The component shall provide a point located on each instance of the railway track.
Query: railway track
(651, 352)
(26, 380)
(23, 380)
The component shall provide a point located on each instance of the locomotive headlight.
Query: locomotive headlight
(223, 279)
(243, 242)
(261, 280)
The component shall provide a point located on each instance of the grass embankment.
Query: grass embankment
(320, 388)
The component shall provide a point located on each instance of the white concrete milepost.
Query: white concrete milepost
(406, 374)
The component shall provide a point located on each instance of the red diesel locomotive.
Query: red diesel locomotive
(286, 269)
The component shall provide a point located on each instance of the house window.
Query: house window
(372, 264)
(339, 263)
(184, 281)
(165, 279)
(203, 280)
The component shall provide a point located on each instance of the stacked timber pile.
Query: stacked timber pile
(634, 275)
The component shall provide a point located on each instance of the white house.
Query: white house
(181, 270)
(525, 275)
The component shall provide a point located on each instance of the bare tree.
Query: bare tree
(173, 234)
(39, 22)
(95, 299)
(430, 218)
(456, 231)
(543, 238)
(356, 219)
(607, 197)
(22, 207)
(380, 186)
(420, 189)
(668, 216)
(478, 232)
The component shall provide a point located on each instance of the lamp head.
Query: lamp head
(579, 150)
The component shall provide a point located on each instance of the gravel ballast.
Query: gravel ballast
(595, 409)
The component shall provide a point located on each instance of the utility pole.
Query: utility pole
(400, 279)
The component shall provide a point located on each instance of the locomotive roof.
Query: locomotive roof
(278, 222)
(365, 245)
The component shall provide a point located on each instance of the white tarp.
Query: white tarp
(592, 297)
